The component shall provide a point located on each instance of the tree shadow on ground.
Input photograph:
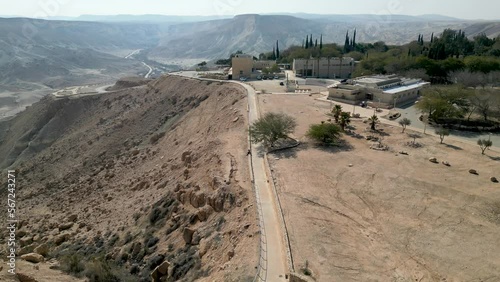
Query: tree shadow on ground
(341, 146)
(494, 158)
(290, 153)
(453, 147)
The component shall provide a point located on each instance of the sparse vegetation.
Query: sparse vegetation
(305, 270)
(484, 144)
(326, 133)
(442, 132)
(404, 123)
(344, 120)
(271, 127)
(373, 120)
(337, 111)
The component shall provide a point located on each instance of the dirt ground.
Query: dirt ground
(142, 175)
(356, 214)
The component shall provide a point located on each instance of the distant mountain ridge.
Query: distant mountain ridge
(254, 34)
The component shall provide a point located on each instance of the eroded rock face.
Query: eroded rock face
(187, 234)
(160, 271)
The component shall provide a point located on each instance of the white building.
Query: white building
(385, 89)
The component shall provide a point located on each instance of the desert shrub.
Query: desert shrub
(155, 261)
(72, 264)
(186, 260)
(128, 238)
(112, 241)
(154, 216)
(306, 269)
(220, 222)
(136, 216)
(150, 240)
(100, 270)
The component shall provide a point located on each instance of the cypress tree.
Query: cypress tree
(277, 50)
(346, 43)
(311, 41)
(354, 41)
(432, 37)
(316, 43)
(274, 54)
(321, 42)
(307, 41)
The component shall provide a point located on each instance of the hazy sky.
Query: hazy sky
(476, 9)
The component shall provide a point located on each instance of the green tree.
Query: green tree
(275, 69)
(337, 111)
(373, 121)
(484, 144)
(442, 132)
(307, 41)
(344, 120)
(271, 127)
(326, 133)
(277, 50)
(321, 42)
(404, 123)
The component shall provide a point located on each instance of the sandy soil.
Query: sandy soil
(389, 217)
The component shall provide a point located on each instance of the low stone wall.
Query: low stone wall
(295, 277)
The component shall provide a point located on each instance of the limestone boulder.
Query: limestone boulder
(25, 278)
(66, 226)
(33, 257)
(187, 235)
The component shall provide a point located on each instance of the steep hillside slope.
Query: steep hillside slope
(258, 33)
(491, 29)
(137, 177)
(60, 53)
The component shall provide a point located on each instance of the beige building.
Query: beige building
(262, 64)
(245, 66)
(388, 90)
(242, 66)
(324, 67)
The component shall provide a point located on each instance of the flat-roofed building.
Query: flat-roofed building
(262, 64)
(324, 67)
(388, 90)
(242, 66)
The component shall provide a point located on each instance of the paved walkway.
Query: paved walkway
(274, 264)
(275, 249)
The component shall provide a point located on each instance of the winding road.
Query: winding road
(150, 70)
